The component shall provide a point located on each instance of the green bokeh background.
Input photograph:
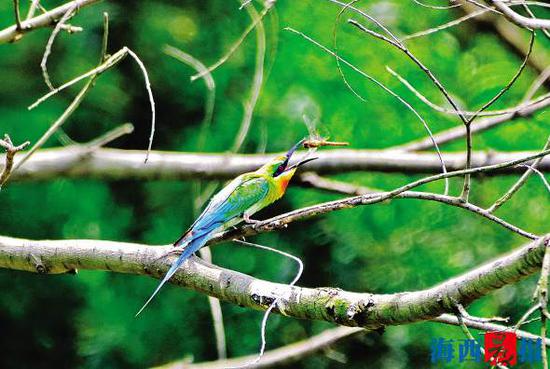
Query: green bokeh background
(87, 321)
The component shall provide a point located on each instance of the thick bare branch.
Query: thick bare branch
(283, 220)
(113, 164)
(329, 304)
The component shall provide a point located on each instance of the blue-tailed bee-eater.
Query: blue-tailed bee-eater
(236, 202)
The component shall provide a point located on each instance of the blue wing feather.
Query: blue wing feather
(230, 203)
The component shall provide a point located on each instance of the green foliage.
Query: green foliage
(87, 320)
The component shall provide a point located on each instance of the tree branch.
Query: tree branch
(304, 348)
(12, 33)
(279, 356)
(511, 35)
(11, 150)
(325, 184)
(456, 133)
(329, 304)
(520, 20)
(113, 164)
(283, 220)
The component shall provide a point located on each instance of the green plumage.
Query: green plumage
(237, 201)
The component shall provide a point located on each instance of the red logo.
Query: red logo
(500, 348)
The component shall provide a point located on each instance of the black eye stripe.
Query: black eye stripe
(280, 168)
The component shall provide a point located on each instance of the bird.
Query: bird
(236, 202)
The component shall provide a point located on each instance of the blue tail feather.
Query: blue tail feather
(189, 250)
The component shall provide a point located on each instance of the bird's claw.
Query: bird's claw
(252, 222)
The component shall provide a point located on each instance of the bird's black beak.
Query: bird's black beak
(294, 148)
(300, 163)
(291, 152)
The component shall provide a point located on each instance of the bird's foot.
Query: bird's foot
(252, 222)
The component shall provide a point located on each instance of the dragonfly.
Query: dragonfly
(315, 140)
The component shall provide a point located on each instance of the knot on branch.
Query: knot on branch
(358, 311)
(343, 311)
(264, 301)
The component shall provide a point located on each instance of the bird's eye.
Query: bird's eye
(280, 169)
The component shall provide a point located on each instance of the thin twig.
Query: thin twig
(76, 101)
(464, 196)
(520, 182)
(483, 6)
(208, 81)
(11, 150)
(466, 315)
(484, 326)
(335, 48)
(532, 15)
(400, 46)
(275, 302)
(447, 25)
(235, 45)
(257, 79)
(94, 73)
(537, 84)
(49, 18)
(468, 16)
(18, 26)
(216, 311)
(105, 39)
(110, 136)
(280, 356)
(524, 319)
(151, 99)
(367, 16)
(381, 85)
(436, 7)
(539, 173)
(523, 105)
(469, 335)
(456, 133)
(43, 64)
(325, 184)
(467, 122)
(109, 62)
(59, 122)
(32, 9)
(509, 84)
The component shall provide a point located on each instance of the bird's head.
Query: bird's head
(280, 170)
